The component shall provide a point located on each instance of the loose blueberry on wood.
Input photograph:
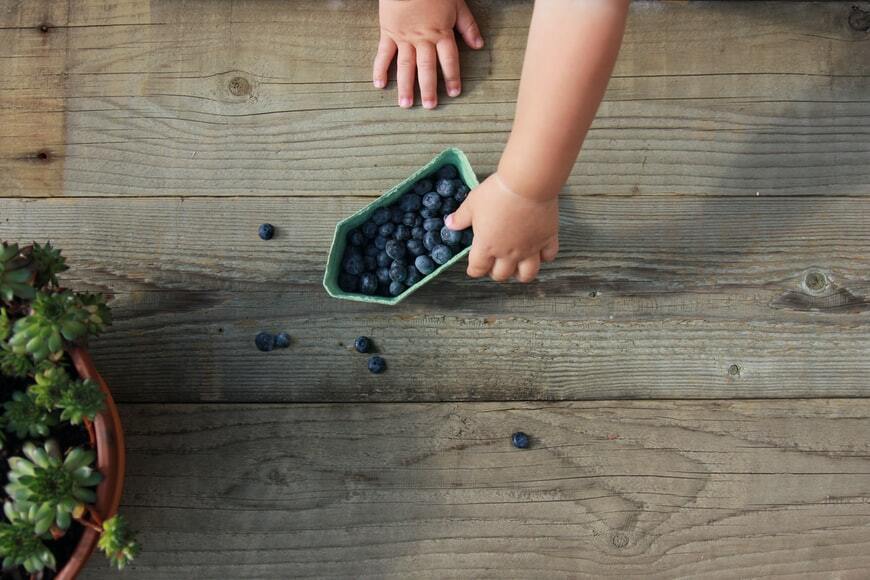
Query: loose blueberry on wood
(425, 265)
(442, 254)
(266, 231)
(520, 440)
(368, 283)
(362, 344)
(395, 249)
(282, 340)
(377, 365)
(381, 216)
(264, 341)
(450, 237)
(448, 172)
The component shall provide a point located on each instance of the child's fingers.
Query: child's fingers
(448, 56)
(427, 63)
(527, 270)
(503, 269)
(479, 262)
(405, 68)
(467, 26)
(548, 254)
(386, 51)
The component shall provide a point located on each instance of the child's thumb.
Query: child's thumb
(460, 219)
(467, 26)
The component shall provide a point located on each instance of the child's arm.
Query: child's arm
(572, 47)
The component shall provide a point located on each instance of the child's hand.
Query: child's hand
(512, 234)
(421, 31)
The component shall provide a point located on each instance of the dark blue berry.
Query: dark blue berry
(427, 213)
(398, 272)
(396, 214)
(353, 264)
(410, 202)
(356, 238)
(383, 275)
(448, 172)
(425, 265)
(467, 237)
(384, 260)
(520, 440)
(423, 186)
(418, 232)
(461, 193)
(432, 201)
(409, 218)
(415, 247)
(441, 254)
(380, 242)
(370, 229)
(395, 249)
(282, 340)
(348, 282)
(362, 344)
(431, 239)
(396, 288)
(377, 365)
(368, 283)
(413, 276)
(371, 250)
(266, 231)
(402, 233)
(371, 263)
(433, 224)
(387, 229)
(381, 216)
(450, 237)
(445, 188)
(264, 341)
(449, 206)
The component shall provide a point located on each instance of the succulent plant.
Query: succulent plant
(48, 263)
(25, 418)
(5, 324)
(117, 542)
(19, 544)
(79, 400)
(14, 365)
(15, 274)
(57, 486)
(50, 382)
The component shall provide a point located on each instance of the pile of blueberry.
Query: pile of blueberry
(403, 243)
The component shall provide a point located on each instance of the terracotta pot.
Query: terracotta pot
(111, 461)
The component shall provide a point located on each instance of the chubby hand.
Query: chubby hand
(512, 234)
(421, 32)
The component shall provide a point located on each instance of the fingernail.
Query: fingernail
(478, 42)
(428, 104)
(448, 221)
(379, 83)
(454, 92)
(405, 102)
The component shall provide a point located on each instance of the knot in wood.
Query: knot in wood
(239, 86)
(619, 540)
(734, 370)
(815, 281)
(859, 20)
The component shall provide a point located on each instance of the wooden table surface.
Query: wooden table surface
(693, 370)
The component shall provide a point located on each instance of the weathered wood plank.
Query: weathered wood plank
(650, 298)
(608, 490)
(709, 98)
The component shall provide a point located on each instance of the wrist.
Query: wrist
(526, 178)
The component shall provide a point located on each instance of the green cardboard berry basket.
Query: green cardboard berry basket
(450, 156)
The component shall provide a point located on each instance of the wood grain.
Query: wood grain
(262, 98)
(614, 489)
(649, 298)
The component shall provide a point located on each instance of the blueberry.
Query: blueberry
(377, 365)
(362, 344)
(433, 224)
(431, 201)
(415, 247)
(413, 276)
(430, 240)
(448, 172)
(425, 265)
(384, 260)
(422, 186)
(264, 341)
(396, 288)
(445, 188)
(396, 214)
(402, 233)
(448, 206)
(353, 264)
(383, 275)
(371, 250)
(370, 229)
(398, 272)
(427, 213)
(410, 202)
(409, 219)
(381, 216)
(520, 440)
(418, 232)
(450, 237)
(387, 229)
(461, 193)
(348, 282)
(441, 254)
(380, 242)
(266, 231)
(467, 237)
(356, 238)
(282, 340)
(368, 283)
(371, 263)
(395, 249)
